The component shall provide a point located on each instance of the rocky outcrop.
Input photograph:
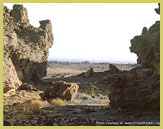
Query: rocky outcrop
(139, 88)
(25, 48)
(113, 68)
(88, 73)
(62, 90)
(131, 91)
(158, 10)
(147, 46)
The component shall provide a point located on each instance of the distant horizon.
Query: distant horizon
(92, 61)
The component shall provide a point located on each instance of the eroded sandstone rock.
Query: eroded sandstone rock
(139, 88)
(25, 47)
(61, 89)
(129, 91)
(147, 46)
(10, 78)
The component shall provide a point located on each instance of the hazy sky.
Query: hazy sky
(93, 31)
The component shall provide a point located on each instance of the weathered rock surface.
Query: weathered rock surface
(143, 72)
(131, 91)
(10, 78)
(25, 48)
(61, 89)
(147, 46)
(140, 87)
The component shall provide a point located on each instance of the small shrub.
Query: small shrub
(36, 105)
(57, 102)
(91, 90)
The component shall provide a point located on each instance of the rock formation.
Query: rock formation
(139, 88)
(158, 10)
(25, 48)
(131, 91)
(147, 46)
(61, 89)
(113, 68)
(88, 73)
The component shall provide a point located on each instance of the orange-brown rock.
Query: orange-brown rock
(62, 90)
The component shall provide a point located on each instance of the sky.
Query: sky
(95, 32)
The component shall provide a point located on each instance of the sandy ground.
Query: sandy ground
(86, 109)
(69, 72)
(77, 68)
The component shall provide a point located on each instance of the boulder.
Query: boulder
(63, 90)
(25, 47)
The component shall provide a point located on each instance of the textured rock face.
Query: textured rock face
(11, 80)
(147, 46)
(131, 91)
(63, 90)
(139, 88)
(25, 48)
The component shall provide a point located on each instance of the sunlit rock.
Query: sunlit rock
(25, 48)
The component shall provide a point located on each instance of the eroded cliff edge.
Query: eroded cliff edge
(147, 46)
(139, 88)
(25, 48)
